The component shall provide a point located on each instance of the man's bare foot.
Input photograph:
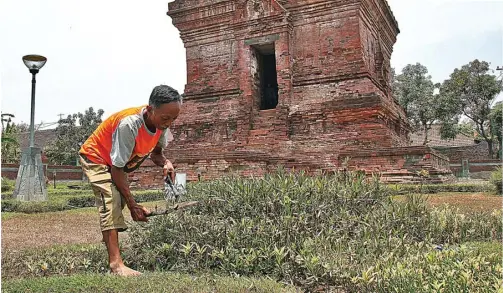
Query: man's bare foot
(122, 270)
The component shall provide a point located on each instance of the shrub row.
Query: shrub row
(7, 185)
(436, 188)
(497, 180)
(66, 201)
(309, 231)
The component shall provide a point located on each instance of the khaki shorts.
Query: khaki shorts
(109, 201)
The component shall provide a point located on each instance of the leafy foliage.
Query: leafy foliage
(495, 118)
(332, 231)
(10, 141)
(415, 92)
(7, 185)
(67, 200)
(472, 90)
(497, 180)
(72, 132)
(341, 231)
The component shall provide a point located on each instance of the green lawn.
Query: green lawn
(149, 282)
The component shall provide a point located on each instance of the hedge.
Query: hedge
(65, 201)
(436, 188)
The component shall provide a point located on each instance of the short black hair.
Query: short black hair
(163, 94)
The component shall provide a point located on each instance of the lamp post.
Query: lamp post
(30, 181)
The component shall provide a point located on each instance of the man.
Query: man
(118, 146)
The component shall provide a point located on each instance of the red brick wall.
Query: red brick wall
(479, 151)
(401, 164)
(9, 171)
(62, 172)
(394, 164)
(332, 62)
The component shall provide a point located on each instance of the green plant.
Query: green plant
(7, 185)
(337, 231)
(497, 180)
(397, 189)
(152, 282)
(454, 269)
(60, 200)
(308, 231)
(58, 260)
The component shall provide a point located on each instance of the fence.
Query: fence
(476, 169)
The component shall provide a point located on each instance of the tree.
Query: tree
(10, 141)
(414, 90)
(71, 133)
(495, 118)
(472, 90)
(394, 83)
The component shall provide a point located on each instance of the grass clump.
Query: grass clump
(497, 180)
(7, 185)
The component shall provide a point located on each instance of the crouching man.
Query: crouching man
(118, 146)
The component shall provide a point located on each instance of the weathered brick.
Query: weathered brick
(333, 75)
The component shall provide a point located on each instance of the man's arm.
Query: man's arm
(158, 157)
(119, 177)
(160, 160)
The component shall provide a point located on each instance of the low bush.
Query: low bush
(12, 205)
(58, 260)
(497, 180)
(454, 269)
(304, 230)
(7, 195)
(437, 188)
(340, 231)
(69, 200)
(7, 185)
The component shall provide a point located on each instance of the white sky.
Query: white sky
(109, 54)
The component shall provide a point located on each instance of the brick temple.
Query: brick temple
(300, 83)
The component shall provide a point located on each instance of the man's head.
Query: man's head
(163, 106)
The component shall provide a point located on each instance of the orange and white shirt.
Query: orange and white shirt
(123, 140)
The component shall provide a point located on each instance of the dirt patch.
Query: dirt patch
(57, 228)
(477, 202)
(47, 229)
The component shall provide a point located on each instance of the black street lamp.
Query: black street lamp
(30, 181)
(34, 64)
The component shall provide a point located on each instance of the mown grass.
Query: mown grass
(147, 283)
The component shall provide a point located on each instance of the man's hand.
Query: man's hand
(138, 212)
(168, 169)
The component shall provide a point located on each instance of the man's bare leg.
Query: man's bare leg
(111, 238)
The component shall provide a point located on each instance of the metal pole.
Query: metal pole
(32, 117)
